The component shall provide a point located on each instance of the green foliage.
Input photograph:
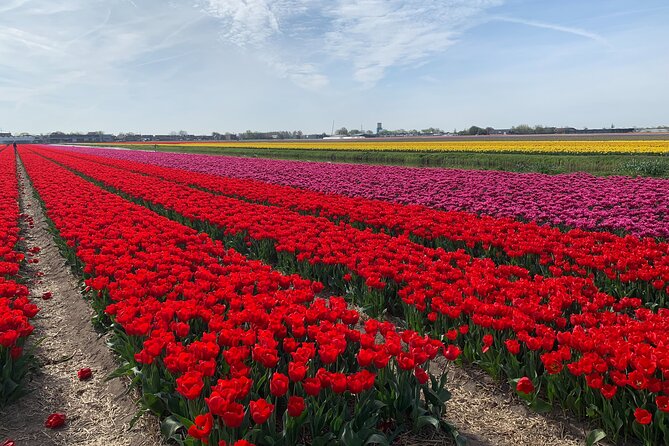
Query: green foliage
(596, 164)
(647, 167)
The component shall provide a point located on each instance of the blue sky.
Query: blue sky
(156, 66)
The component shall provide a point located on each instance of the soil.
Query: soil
(98, 412)
(489, 415)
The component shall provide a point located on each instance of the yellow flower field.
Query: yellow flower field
(629, 146)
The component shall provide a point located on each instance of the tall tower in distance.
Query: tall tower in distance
(379, 127)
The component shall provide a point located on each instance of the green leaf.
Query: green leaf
(459, 439)
(377, 439)
(594, 437)
(170, 426)
(323, 440)
(124, 370)
(426, 420)
(154, 403)
(540, 406)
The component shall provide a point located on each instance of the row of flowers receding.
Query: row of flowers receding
(631, 205)
(16, 310)
(227, 348)
(598, 355)
(621, 266)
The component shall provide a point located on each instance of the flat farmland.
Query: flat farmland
(602, 155)
(260, 300)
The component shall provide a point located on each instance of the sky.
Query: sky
(203, 66)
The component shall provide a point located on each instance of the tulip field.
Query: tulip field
(440, 145)
(268, 302)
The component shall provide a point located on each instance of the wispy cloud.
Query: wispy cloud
(371, 36)
(215, 65)
(75, 42)
(380, 34)
(554, 27)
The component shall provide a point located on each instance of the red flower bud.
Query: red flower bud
(279, 384)
(55, 420)
(642, 416)
(84, 374)
(261, 410)
(525, 385)
(295, 406)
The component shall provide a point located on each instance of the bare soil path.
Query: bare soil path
(98, 411)
(488, 415)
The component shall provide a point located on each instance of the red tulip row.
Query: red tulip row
(227, 348)
(15, 308)
(623, 265)
(585, 348)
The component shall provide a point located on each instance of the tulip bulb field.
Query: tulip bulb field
(269, 302)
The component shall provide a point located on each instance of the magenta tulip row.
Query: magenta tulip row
(637, 206)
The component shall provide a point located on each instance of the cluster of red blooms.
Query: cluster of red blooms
(626, 259)
(572, 325)
(240, 339)
(15, 308)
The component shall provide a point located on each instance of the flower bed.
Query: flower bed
(15, 308)
(226, 348)
(635, 205)
(598, 355)
(621, 265)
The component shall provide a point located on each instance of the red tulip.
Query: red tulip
(295, 406)
(261, 410)
(642, 416)
(279, 384)
(202, 427)
(525, 385)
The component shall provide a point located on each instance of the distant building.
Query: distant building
(71, 138)
(379, 127)
(7, 138)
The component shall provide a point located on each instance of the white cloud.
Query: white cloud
(85, 42)
(380, 34)
(370, 35)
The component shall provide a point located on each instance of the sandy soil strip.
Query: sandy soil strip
(98, 412)
(488, 415)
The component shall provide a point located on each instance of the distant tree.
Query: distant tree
(522, 129)
(475, 130)
(342, 131)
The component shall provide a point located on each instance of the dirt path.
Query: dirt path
(97, 411)
(488, 415)
(485, 414)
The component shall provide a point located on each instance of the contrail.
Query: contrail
(560, 28)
